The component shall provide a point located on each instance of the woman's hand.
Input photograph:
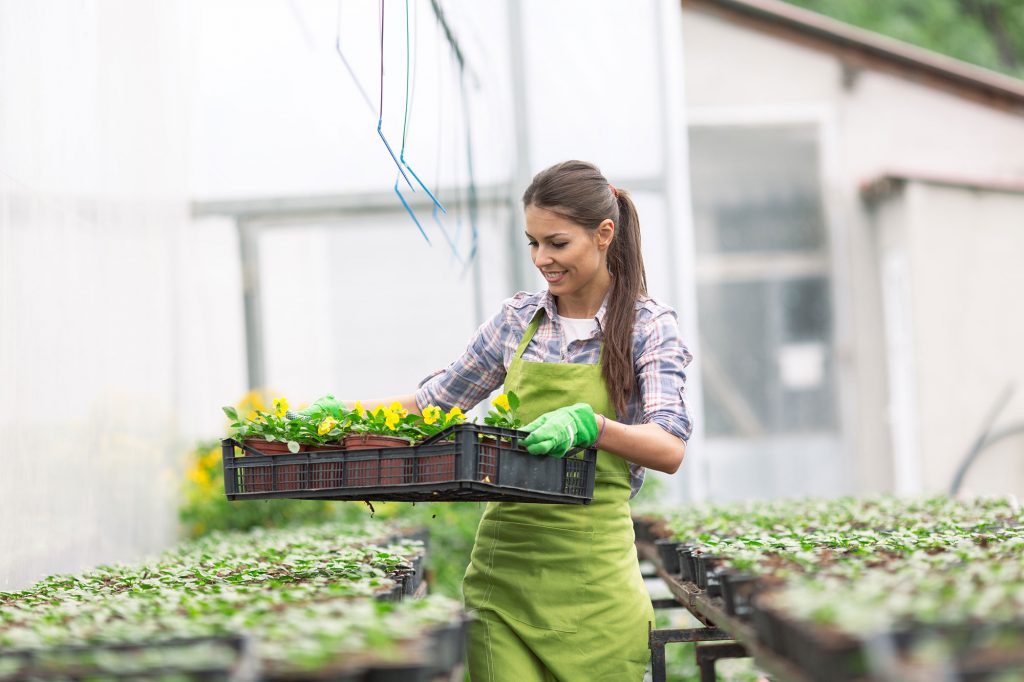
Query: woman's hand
(324, 406)
(555, 433)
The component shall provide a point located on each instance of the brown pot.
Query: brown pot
(269, 447)
(487, 460)
(263, 479)
(326, 474)
(372, 471)
(367, 441)
(434, 468)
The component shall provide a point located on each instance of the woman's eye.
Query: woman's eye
(532, 244)
(558, 245)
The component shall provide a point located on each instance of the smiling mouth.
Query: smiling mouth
(555, 276)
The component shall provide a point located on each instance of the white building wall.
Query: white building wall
(92, 206)
(882, 122)
(963, 248)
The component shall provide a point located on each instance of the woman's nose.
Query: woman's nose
(541, 257)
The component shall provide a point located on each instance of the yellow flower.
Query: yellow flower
(280, 407)
(431, 414)
(326, 425)
(211, 459)
(251, 404)
(454, 416)
(397, 407)
(391, 419)
(377, 410)
(199, 476)
(360, 410)
(501, 402)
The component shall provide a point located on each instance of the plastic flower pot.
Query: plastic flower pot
(271, 477)
(398, 672)
(737, 590)
(385, 471)
(686, 561)
(435, 468)
(487, 463)
(714, 580)
(447, 648)
(326, 474)
(667, 555)
(705, 562)
(823, 651)
(766, 626)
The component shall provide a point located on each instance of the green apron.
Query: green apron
(556, 589)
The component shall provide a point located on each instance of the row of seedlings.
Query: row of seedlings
(329, 602)
(878, 588)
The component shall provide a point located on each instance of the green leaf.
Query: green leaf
(293, 447)
(513, 400)
(231, 412)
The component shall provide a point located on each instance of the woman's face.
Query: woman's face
(570, 257)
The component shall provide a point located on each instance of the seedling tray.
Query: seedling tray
(467, 462)
(171, 658)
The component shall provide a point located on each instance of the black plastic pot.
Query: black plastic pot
(642, 529)
(686, 563)
(737, 590)
(705, 562)
(447, 648)
(667, 555)
(714, 581)
(827, 657)
(399, 672)
(394, 594)
(766, 626)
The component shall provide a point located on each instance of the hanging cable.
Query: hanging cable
(351, 71)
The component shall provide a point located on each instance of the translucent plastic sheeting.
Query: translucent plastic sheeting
(93, 105)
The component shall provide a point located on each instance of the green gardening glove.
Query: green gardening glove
(555, 433)
(323, 406)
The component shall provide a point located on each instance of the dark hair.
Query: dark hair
(577, 191)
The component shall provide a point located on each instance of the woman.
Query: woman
(556, 589)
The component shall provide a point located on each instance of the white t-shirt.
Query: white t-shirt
(576, 330)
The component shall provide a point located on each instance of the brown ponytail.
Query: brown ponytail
(577, 191)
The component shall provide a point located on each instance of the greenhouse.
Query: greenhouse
(511, 340)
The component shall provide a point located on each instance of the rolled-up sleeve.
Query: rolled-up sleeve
(661, 375)
(474, 375)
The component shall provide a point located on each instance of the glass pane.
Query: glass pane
(765, 349)
(756, 189)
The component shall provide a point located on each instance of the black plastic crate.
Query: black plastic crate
(467, 462)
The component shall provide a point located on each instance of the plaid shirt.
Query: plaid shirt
(659, 358)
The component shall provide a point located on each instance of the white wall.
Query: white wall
(961, 249)
(93, 201)
(879, 123)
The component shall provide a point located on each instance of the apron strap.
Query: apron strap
(531, 329)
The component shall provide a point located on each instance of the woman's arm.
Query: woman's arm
(648, 445)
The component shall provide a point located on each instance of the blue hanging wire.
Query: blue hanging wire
(307, 35)
(351, 71)
(458, 184)
(405, 129)
(473, 201)
(380, 117)
(404, 125)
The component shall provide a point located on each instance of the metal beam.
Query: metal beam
(248, 243)
(299, 209)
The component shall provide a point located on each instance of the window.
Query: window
(763, 281)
